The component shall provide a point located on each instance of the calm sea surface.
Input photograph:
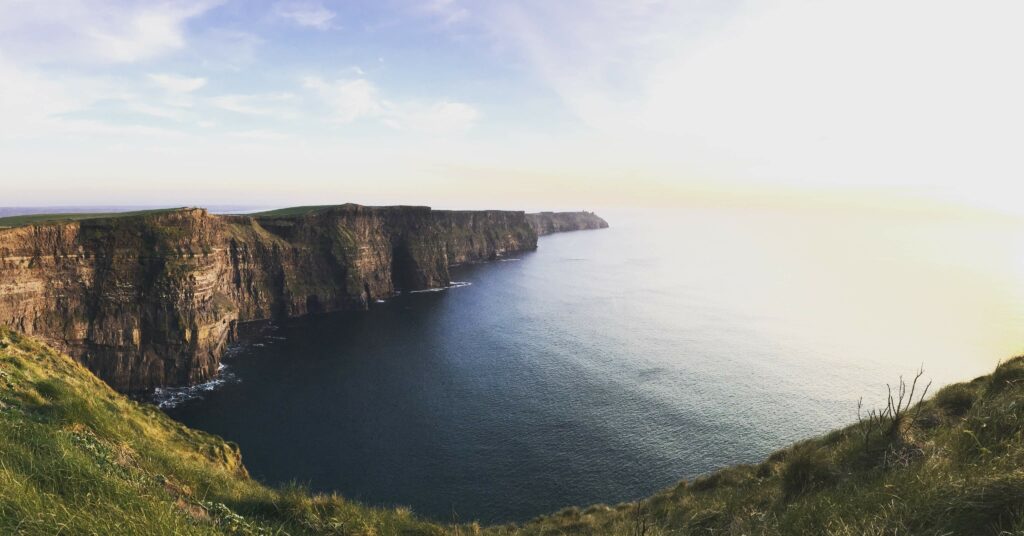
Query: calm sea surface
(610, 364)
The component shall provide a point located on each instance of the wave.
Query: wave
(170, 397)
(454, 284)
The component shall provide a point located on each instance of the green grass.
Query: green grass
(78, 458)
(958, 468)
(28, 219)
(292, 211)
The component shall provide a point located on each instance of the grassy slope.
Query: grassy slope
(15, 221)
(957, 469)
(77, 456)
(292, 211)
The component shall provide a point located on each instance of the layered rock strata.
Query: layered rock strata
(153, 300)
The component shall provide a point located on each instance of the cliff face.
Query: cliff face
(153, 300)
(545, 223)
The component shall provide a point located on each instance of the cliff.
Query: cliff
(79, 458)
(545, 223)
(153, 299)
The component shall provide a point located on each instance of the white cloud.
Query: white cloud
(161, 112)
(177, 84)
(919, 95)
(598, 58)
(88, 127)
(223, 48)
(34, 105)
(101, 30)
(29, 103)
(348, 99)
(37, 104)
(310, 14)
(439, 118)
(279, 105)
(447, 11)
(355, 99)
(260, 135)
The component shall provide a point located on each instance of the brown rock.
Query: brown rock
(153, 300)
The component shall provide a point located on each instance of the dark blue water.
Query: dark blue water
(610, 364)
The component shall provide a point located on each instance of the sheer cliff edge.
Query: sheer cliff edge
(153, 299)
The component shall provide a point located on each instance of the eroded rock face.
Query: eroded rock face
(153, 300)
(545, 223)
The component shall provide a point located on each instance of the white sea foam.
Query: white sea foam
(454, 284)
(169, 397)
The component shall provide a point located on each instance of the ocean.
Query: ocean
(613, 363)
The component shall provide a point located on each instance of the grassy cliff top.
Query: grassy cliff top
(28, 219)
(312, 209)
(292, 211)
(78, 458)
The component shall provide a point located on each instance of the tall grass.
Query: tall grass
(950, 465)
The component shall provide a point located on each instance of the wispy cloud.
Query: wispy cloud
(351, 100)
(599, 59)
(102, 31)
(829, 94)
(260, 135)
(30, 103)
(34, 106)
(279, 105)
(155, 110)
(177, 84)
(449, 12)
(226, 48)
(348, 99)
(310, 14)
(440, 118)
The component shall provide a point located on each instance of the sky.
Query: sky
(531, 104)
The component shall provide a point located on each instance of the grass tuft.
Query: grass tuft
(956, 400)
(1008, 374)
(806, 469)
